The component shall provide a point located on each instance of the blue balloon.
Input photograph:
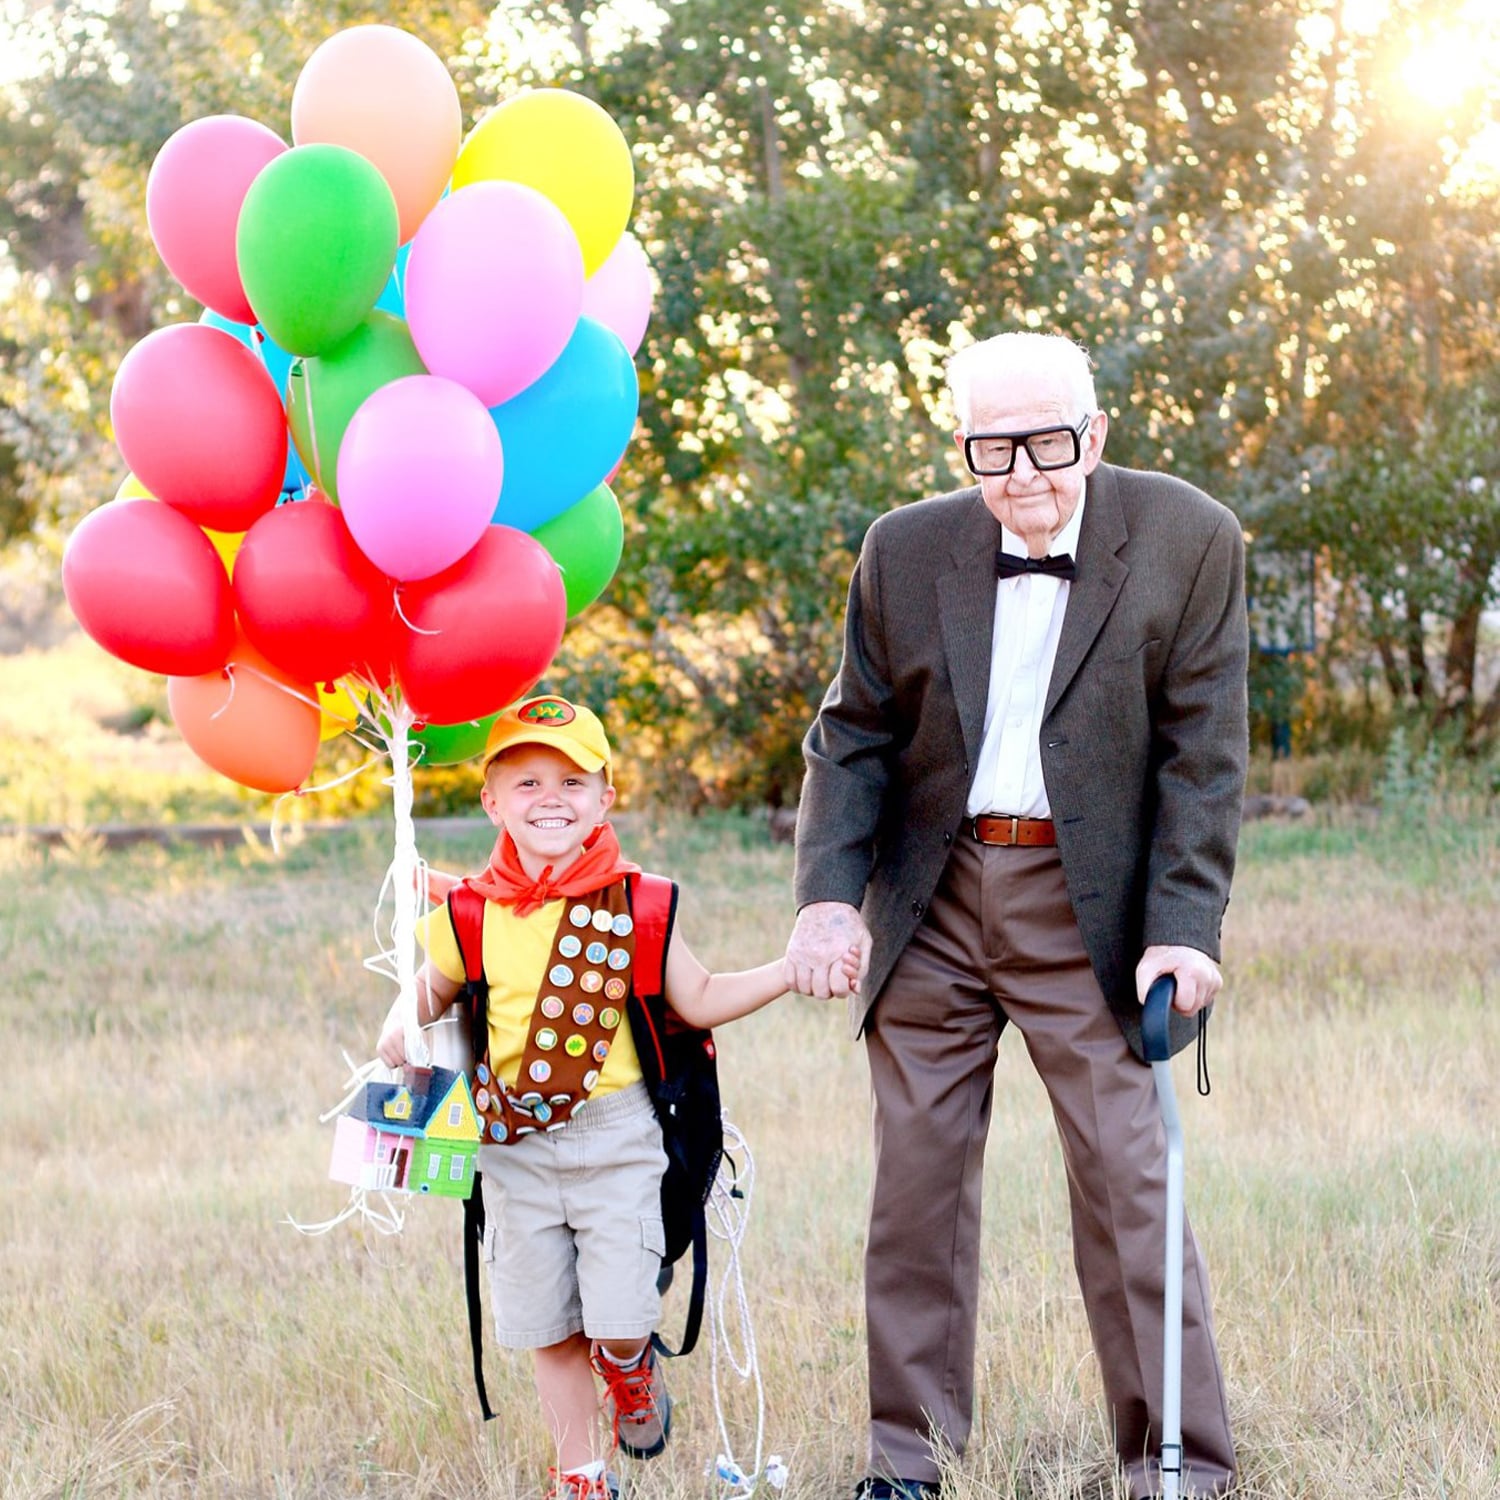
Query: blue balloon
(278, 365)
(393, 298)
(564, 433)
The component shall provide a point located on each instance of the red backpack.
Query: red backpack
(680, 1068)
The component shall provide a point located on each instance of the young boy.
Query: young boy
(575, 1212)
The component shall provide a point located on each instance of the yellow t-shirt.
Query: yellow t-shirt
(516, 950)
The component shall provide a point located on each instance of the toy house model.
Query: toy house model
(420, 1135)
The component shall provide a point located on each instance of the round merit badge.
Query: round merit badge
(560, 975)
(546, 1038)
(591, 983)
(622, 926)
(540, 1070)
(601, 1051)
(580, 916)
(575, 1046)
(552, 1007)
(619, 958)
(602, 920)
(614, 989)
(596, 953)
(609, 1018)
(583, 1013)
(570, 945)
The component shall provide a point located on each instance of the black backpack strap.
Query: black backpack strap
(653, 904)
(473, 1238)
(466, 911)
(697, 1295)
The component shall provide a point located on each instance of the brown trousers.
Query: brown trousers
(999, 943)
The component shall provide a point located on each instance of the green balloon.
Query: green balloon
(323, 392)
(450, 744)
(316, 242)
(585, 541)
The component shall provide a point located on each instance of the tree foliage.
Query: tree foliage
(1280, 244)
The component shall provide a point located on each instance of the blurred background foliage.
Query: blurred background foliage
(1276, 224)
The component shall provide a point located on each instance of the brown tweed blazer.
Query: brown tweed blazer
(1144, 739)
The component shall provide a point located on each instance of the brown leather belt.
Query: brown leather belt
(1031, 833)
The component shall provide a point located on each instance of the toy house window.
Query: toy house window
(456, 1169)
(398, 1107)
(456, 1112)
(434, 1166)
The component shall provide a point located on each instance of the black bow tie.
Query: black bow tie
(1007, 565)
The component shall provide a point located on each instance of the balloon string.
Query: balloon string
(312, 424)
(401, 615)
(224, 706)
(276, 682)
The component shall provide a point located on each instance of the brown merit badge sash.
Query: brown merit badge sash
(578, 1009)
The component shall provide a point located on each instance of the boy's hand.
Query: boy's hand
(391, 1048)
(851, 963)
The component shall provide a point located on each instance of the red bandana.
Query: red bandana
(504, 880)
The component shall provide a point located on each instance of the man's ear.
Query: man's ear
(1094, 450)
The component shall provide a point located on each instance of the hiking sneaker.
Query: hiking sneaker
(640, 1408)
(567, 1486)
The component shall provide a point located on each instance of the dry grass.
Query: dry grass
(174, 1021)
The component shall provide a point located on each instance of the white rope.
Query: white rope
(407, 884)
(728, 1216)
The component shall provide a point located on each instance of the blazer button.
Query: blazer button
(947, 838)
(916, 908)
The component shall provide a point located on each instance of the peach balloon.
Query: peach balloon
(249, 721)
(382, 92)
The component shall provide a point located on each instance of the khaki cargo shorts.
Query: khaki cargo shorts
(573, 1233)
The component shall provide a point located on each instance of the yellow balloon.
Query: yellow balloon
(226, 544)
(132, 489)
(566, 147)
(340, 709)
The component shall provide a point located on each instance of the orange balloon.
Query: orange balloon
(249, 721)
(380, 91)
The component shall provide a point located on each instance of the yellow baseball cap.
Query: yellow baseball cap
(568, 727)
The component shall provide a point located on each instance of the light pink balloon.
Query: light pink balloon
(618, 294)
(494, 287)
(193, 196)
(419, 472)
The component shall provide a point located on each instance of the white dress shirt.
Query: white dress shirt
(1029, 612)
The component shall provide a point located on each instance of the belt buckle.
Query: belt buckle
(1015, 831)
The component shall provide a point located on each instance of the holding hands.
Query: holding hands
(829, 951)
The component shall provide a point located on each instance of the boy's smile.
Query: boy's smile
(547, 804)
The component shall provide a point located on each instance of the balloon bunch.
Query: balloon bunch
(378, 464)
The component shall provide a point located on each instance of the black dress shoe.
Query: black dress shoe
(873, 1488)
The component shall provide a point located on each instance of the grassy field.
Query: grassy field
(175, 1020)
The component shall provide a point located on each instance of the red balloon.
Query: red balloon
(148, 586)
(477, 635)
(249, 721)
(308, 597)
(201, 425)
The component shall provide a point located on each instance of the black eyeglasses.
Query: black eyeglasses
(1047, 448)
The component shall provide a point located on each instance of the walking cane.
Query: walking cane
(1157, 1045)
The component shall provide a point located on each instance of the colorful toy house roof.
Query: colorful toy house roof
(426, 1101)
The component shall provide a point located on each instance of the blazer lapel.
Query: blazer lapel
(966, 608)
(1101, 575)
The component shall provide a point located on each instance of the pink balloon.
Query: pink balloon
(618, 294)
(193, 196)
(419, 474)
(481, 633)
(200, 424)
(494, 287)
